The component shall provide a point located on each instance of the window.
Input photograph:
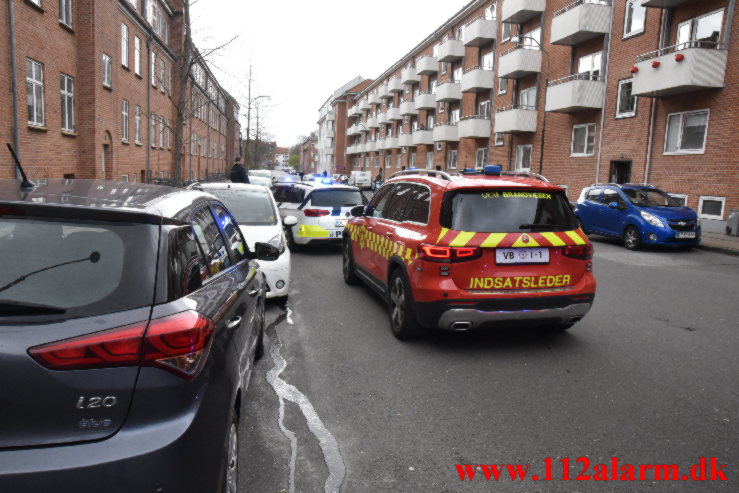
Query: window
(626, 106)
(483, 109)
(36, 2)
(506, 32)
(135, 3)
(593, 195)
(124, 178)
(153, 69)
(499, 139)
(417, 210)
(67, 103)
(634, 18)
(107, 70)
(234, 240)
(161, 132)
(442, 106)
(396, 203)
(502, 85)
(680, 198)
(137, 55)
(451, 159)
(35, 92)
(686, 132)
(124, 45)
(711, 207)
(161, 75)
(701, 32)
(527, 98)
(523, 157)
(457, 74)
(583, 140)
(590, 65)
(211, 241)
(430, 121)
(429, 159)
(454, 116)
(532, 39)
(443, 68)
(398, 160)
(124, 121)
(487, 61)
(65, 12)
(169, 134)
(490, 11)
(169, 79)
(137, 125)
(439, 146)
(387, 160)
(481, 157)
(153, 130)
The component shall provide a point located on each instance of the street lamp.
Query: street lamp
(516, 39)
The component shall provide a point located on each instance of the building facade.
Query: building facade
(308, 154)
(97, 96)
(586, 91)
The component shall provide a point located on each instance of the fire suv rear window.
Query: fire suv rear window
(507, 211)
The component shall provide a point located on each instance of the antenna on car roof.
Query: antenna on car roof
(25, 184)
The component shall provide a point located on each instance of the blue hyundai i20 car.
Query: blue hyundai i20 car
(639, 215)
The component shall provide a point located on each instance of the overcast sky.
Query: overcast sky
(303, 51)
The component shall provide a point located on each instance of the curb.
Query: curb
(726, 251)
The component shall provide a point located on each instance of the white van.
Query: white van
(360, 179)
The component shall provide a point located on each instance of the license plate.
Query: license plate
(340, 223)
(335, 233)
(685, 234)
(522, 256)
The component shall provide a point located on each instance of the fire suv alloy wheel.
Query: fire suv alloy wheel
(402, 319)
(347, 264)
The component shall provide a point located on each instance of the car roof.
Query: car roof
(477, 181)
(231, 186)
(104, 195)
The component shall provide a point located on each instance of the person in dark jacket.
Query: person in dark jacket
(238, 172)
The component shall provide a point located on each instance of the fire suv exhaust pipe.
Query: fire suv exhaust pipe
(461, 326)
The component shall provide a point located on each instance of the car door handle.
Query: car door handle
(390, 234)
(253, 292)
(233, 323)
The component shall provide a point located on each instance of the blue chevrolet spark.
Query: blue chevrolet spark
(639, 215)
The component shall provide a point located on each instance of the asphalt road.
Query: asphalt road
(649, 377)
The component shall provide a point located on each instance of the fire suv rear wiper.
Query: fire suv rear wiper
(536, 226)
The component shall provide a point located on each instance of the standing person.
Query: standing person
(378, 181)
(238, 172)
(302, 174)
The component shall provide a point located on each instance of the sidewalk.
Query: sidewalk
(720, 243)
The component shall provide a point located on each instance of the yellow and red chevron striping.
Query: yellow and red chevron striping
(453, 238)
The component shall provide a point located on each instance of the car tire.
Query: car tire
(632, 238)
(347, 263)
(400, 308)
(290, 240)
(231, 474)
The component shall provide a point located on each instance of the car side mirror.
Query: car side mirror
(357, 211)
(265, 251)
(290, 220)
(613, 205)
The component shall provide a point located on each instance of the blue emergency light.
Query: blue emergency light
(326, 181)
(469, 171)
(492, 170)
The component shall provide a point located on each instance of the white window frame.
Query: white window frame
(35, 83)
(682, 196)
(682, 114)
(519, 153)
(439, 146)
(107, 71)
(124, 120)
(480, 163)
(711, 216)
(153, 130)
(162, 72)
(628, 114)
(452, 156)
(153, 68)
(67, 102)
(693, 23)
(124, 178)
(124, 45)
(502, 88)
(137, 125)
(36, 2)
(137, 55)
(169, 134)
(587, 127)
(637, 3)
(506, 32)
(65, 12)
(169, 79)
(429, 162)
(501, 142)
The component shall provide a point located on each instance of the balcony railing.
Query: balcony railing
(364, 105)
(410, 76)
(451, 50)
(446, 132)
(394, 114)
(330, 116)
(520, 11)
(408, 108)
(382, 118)
(580, 21)
(405, 139)
(576, 92)
(423, 137)
(425, 101)
(427, 65)
(448, 91)
(372, 122)
(477, 79)
(370, 146)
(515, 119)
(373, 98)
(474, 127)
(384, 92)
(394, 85)
(519, 61)
(481, 31)
(381, 146)
(391, 143)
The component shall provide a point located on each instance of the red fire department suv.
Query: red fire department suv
(477, 249)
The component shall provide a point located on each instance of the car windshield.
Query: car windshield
(650, 198)
(507, 211)
(73, 268)
(260, 180)
(249, 207)
(336, 198)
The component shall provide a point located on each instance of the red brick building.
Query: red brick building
(97, 90)
(308, 154)
(582, 91)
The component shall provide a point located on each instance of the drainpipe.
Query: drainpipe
(663, 34)
(729, 22)
(14, 86)
(148, 108)
(607, 58)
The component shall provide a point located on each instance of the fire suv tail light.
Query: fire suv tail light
(316, 212)
(178, 343)
(435, 253)
(582, 252)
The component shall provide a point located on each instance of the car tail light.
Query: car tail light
(316, 212)
(583, 252)
(178, 343)
(435, 253)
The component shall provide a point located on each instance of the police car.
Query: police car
(321, 208)
(468, 251)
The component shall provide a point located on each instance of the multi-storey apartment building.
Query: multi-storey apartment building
(308, 154)
(100, 86)
(582, 91)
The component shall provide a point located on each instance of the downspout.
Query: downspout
(653, 107)
(148, 108)
(14, 85)
(607, 58)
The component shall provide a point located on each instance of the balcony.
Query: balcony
(425, 101)
(329, 134)
(328, 150)
(373, 98)
(575, 93)
(382, 118)
(688, 67)
(520, 11)
(394, 114)
(360, 148)
(381, 145)
(519, 62)
(408, 108)
(330, 116)
(350, 150)
(423, 137)
(372, 122)
(515, 119)
(477, 80)
(581, 21)
(383, 92)
(481, 31)
(370, 146)
(448, 91)
(353, 130)
(355, 111)
(391, 143)
(451, 50)
(364, 105)
(405, 140)
(410, 76)
(664, 4)
(474, 127)
(446, 133)
(427, 65)
(394, 85)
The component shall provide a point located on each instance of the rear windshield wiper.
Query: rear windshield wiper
(537, 226)
(10, 307)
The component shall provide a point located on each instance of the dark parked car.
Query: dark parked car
(128, 324)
